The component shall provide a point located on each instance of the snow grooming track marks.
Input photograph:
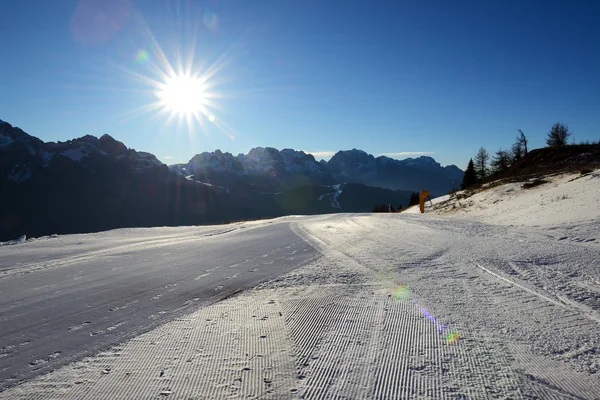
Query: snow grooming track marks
(333, 337)
(92, 250)
(554, 385)
(502, 327)
(411, 358)
(411, 355)
(332, 328)
(233, 349)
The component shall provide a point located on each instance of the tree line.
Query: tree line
(415, 198)
(483, 166)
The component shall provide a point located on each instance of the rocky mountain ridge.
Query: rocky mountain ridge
(277, 168)
(91, 184)
(23, 155)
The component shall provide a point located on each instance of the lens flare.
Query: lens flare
(452, 336)
(141, 57)
(210, 19)
(96, 22)
(402, 292)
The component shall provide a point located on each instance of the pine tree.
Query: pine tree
(481, 163)
(516, 151)
(414, 199)
(469, 178)
(380, 208)
(522, 141)
(558, 135)
(501, 161)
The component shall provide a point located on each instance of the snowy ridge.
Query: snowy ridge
(27, 153)
(258, 160)
(345, 166)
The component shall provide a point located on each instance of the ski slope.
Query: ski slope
(491, 299)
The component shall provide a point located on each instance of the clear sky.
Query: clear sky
(178, 77)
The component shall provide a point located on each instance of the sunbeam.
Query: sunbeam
(184, 88)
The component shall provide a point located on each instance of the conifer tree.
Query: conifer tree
(516, 151)
(414, 199)
(469, 178)
(558, 135)
(501, 161)
(481, 163)
(522, 141)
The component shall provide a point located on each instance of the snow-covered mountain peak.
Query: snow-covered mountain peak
(218, 161)
(23, 154)
(295, 160)
(352, 163)
(11, 134)
(345, 166)
(422, 161)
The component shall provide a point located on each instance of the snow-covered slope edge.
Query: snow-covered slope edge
(544, 201)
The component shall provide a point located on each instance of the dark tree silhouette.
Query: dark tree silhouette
(380, 208)
(481, 163)
(500, 161)
(469, 178)
(516, 151)
(414, 199)
(558, 135)
(522, 141)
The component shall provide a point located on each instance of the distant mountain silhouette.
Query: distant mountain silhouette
(409, 174)
(274, 170)
(91, 184)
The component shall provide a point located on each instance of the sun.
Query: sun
(188, 90)
(183, 95)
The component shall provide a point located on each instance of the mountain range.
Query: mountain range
(91, 184)
(275, 170)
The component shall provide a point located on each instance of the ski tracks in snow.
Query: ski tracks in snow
(336, 329)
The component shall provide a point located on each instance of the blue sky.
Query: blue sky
(389, 77)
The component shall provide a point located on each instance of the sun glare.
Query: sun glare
(185, 88)
(183, 95)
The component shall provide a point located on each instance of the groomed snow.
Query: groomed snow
(496, 298)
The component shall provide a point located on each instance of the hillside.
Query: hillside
(552, 160)
(543, 176)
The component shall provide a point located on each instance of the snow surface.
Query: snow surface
(5, 140)
(333, 196)
(47, 156)
(564, 199)
(496, 298)
(75, 154)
